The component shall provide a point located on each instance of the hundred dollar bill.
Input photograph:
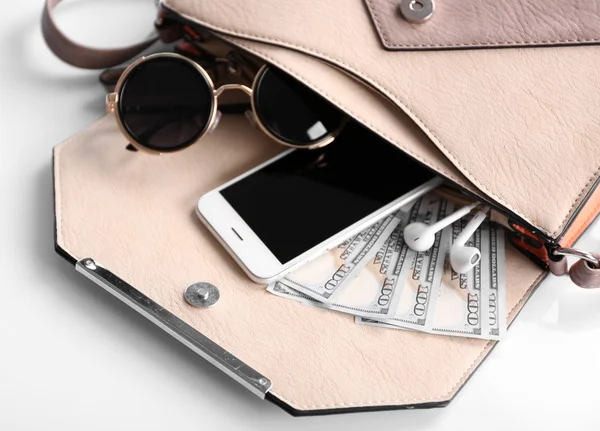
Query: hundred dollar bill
(365, 295)
(419, 272)
(323, 265)
(496, 291)
(473, 304)
(394, 271)
(460, 307)
(327, 273)
(371, 322)
(369, 293)
(282, 290)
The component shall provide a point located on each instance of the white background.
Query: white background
(74, 358)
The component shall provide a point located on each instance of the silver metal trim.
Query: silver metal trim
(207, 349)
(582, 254)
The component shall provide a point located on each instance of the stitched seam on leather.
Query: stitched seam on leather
(566, 219)
(508, 43)
(514, 208)
(383, 34)
(460, 382)
(352, 113)
(421, 123)
(380, 29)
(427, 129)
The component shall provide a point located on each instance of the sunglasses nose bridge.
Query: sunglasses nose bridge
(229, 87)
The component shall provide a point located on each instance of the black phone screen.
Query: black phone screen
(308, 196)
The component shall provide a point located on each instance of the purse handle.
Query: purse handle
(82, 56)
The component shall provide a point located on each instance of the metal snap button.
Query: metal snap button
(201, 294)
(417, 11)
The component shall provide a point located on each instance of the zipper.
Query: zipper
(525, 238)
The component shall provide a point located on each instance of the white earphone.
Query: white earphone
(421, 237)
(462, 258)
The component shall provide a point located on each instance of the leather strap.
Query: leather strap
(558, 267)
(584, 274)
(84, 56)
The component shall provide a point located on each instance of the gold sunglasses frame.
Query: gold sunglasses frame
(112, 101)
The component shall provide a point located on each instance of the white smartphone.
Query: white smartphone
(292, 208)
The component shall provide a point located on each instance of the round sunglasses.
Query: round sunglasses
(166, 102)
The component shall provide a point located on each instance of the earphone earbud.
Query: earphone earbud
(462, 258)
(421, 237)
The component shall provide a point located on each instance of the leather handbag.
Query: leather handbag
(499, 99)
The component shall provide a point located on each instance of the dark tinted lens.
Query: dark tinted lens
(165, 104)
(293, 112)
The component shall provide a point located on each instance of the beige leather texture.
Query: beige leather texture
(520, 124)
(360, 102)
(474, 23)
(134, 214)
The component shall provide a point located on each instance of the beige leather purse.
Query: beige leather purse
(501, 100)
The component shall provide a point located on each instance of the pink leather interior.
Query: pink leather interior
(134, 214)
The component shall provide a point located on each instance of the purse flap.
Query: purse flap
(134, 215)
(454, 24)
(520, 124)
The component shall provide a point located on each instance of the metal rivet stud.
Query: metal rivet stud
(90, 264)
(202, 294)
(417, 11)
